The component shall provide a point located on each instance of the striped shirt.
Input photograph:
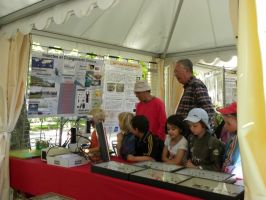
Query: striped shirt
(149, 145)
(195, 96)
(232, 155)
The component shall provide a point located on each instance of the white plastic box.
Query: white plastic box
(67, 160)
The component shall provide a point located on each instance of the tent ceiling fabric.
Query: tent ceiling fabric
(58, 14)
(140, 24)
(9, 6)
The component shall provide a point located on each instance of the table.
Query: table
(35, 177)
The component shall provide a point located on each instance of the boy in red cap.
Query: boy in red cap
(232, 160)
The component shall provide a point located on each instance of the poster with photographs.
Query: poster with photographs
(62, 85)
(44, 85)
(118, 95)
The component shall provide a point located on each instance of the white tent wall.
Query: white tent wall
(207, 55)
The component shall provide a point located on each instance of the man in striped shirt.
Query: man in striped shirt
(195, 92)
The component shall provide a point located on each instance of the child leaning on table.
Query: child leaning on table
(175, 144)
(147, 145)
(205, 151)
(232, 159)
(98, 115)
(125, 138)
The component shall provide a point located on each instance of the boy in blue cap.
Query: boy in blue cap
(205, 151)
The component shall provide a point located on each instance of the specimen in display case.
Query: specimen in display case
(210, 189)
(115, 169)
(212, 175)
(159, 166)
(158, 178)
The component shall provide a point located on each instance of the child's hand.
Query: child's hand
(190, 164)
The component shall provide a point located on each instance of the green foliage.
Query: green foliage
(40, 144)
(44, 127)
(91, 55)
(195, 73)
(218, 117)
(144, 69)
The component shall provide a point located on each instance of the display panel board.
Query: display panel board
(62, 85)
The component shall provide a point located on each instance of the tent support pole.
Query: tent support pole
(172, 29)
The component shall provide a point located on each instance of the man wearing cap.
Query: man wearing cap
(205, 151)
(232, 159)
(195, 92)
(151, 107)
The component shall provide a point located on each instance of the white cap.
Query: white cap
(141, 86)
(197, 114)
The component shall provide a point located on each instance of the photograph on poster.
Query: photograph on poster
(42, 63)
(92, 67)
(42, 94)
(119, 87)
(110, 87)
(82, 101)
(96, 83)
(33, 109)
(42, 82)
(92, 79)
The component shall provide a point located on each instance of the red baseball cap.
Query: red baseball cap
(230, 109)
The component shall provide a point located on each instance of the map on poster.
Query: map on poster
(63, 85)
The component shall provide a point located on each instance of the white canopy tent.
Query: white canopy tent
(164, 29)
(161, 28)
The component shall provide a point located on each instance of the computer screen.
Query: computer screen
(104, 148)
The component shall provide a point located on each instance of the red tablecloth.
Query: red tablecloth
(35, 177)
